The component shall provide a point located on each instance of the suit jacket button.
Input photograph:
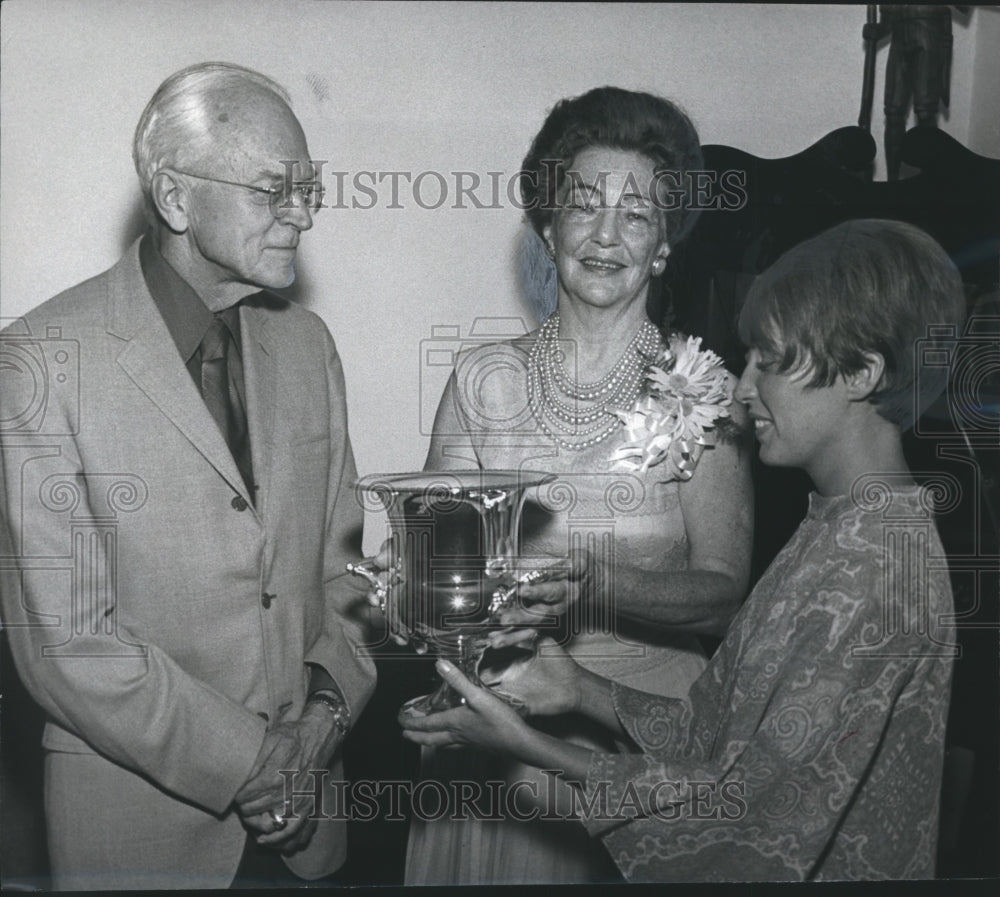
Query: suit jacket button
(239, 503)
(266, 600)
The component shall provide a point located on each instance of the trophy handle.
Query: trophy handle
(503, 597)
(382, 592)
(370, 572)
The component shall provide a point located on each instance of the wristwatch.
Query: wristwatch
(335, 703)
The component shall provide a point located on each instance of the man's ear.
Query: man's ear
(171, 199)
(864, 381)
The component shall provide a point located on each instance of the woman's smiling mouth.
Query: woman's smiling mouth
(605, 266)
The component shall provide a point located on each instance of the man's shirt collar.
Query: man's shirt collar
(186, 316)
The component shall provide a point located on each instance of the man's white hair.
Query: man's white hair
(175, 125)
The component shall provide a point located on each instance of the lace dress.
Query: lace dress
(612, 513)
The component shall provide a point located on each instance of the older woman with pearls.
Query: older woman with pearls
(652, 502)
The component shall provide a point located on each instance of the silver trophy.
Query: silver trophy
(454, 549)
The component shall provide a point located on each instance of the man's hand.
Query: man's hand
(288, 840)
(302, 746)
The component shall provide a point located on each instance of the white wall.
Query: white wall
(397, 87)
(984, 127)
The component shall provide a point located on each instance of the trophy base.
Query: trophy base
(464, 651)
(445, 698)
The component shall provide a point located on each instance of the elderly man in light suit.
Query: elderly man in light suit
(177, 513)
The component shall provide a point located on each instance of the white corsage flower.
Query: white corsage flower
(686, 391)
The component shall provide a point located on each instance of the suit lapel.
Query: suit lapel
(150, 358)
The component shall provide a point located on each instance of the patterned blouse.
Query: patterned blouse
(812, 745)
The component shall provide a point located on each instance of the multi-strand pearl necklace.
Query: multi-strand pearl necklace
(586, 419)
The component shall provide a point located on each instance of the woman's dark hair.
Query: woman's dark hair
(617, 119)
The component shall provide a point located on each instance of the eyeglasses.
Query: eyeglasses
(290, 195)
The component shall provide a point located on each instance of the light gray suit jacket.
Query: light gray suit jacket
(162, 619)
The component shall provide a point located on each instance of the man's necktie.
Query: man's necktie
(221, 370)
